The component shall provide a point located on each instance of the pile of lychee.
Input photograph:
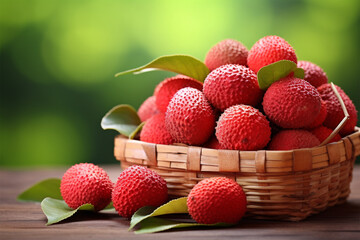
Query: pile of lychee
(230, 111)
(212, 200)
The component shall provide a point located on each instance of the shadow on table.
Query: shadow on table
(330, 217)
(88, 216)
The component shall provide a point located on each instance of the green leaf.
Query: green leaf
(175, 206)
(122, 118)
(182, 64)
(299, 73)
(57, 210)
(154, 224)
(273, 72)
(110, 206)
(137, 130)
(46, 188)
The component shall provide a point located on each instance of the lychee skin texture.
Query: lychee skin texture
(335, 113)
(215, 200)
(268, 50)
(293, 139)
(147, 109)
(321, 116)
(292, 103)
(314, 74)
(86, 183)
(232, 84)
(157, 88)
(154, 131)
(167, 88)
(322, 133)
(190, 118)
(226, 52)
(137, 187)
(243, 127)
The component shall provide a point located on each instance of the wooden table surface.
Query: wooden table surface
(19, 220)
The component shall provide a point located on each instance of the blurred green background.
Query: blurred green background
(58, 59)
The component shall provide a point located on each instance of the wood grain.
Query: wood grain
(19, 220)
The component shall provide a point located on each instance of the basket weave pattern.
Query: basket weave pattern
(284, 185)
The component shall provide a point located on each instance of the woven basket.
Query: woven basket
(283, 185)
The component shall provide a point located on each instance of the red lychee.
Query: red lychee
(147, 109)
(243, 127)
(190, 118)
(334, 111)
(322, 133)
(213, 143)
(230, 85)
(167, 88)
(293, 139)
(137, 187)
(154, 131)
(157, 88)
(321, 116)
(228, 51)
(86, 183)
(268, 50)
(313, 73)
(215, 200)
(292, 103)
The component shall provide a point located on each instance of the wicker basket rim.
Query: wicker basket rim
(199, 159)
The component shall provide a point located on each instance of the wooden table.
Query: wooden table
(20, 220)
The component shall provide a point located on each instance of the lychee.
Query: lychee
(154, 131)
(313, 73)
(215, 200)
(167, 88)
(322, 133)
(293, 139)
(334, 111)
(268, 50)
(136, 187)
(243, 127)
(226, 52)
(147, 109)
(292, 103)
(232, 84)
(320, 117)
(190, 118)
(213, 143)
(157, 88)
(86, 183)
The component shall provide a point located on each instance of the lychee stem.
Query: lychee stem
(342, 123)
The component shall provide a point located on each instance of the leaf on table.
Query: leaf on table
(273, 72)
(46, 188)
(110, 206)
(182, 64)
(122, 118)
(57, 210)
(155, 224)
(173, 207)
